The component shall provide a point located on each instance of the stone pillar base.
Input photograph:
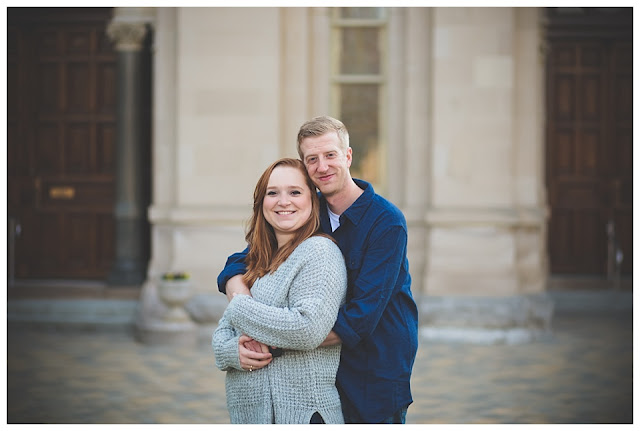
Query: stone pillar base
(183, 334)
(486, 320)
(153, 327)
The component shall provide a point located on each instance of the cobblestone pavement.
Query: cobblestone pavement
(581, 373)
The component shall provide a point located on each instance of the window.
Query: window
(358, 84)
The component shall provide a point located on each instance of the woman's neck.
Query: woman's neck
(283, 239)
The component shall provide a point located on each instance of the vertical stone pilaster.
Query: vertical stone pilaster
(128, 33)
(320, 101)
(485, 272)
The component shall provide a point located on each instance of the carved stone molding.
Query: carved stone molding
(126, 35)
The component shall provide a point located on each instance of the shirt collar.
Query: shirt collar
(358, 209)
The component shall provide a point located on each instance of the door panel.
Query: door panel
(575, 140)
(61, 141)
(589, 139)
(621, 169)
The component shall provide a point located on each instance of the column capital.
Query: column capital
(129, 27)
(126, 35)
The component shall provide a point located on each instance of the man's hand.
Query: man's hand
(253, 354)
(235, 286)
(331, 340)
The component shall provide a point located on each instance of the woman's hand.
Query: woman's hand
(253, 354)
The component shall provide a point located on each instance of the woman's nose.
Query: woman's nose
(284, 200)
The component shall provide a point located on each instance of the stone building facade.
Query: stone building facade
(464, 159)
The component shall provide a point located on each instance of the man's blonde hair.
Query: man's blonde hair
(318, 126)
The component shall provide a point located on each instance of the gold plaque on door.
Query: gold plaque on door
(62, 192)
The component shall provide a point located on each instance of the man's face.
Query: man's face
(326, 162)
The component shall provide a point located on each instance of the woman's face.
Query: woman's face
(287, 202)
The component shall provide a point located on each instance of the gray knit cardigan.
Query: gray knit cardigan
(294, 308)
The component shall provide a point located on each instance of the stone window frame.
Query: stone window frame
(378, 167)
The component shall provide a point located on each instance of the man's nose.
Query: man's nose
(322, 165)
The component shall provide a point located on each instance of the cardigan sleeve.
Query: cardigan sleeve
(315, 294)
(225, 346)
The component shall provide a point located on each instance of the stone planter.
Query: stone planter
(175, 293)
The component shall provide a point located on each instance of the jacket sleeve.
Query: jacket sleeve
(234, 266)
(371, 291)
(225, 346)
(315, 295)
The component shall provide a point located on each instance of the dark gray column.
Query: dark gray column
(130, 209)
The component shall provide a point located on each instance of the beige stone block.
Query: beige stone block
(162, 244)
(471, 249)
(204, 251)
(454, 77)
(228, 83)
(492, 107)
(441, 44)
(495, 40)
(482, 261)
(493, 72)
(479, 283)
(531, 259)
(473, 190)
(527, 190)
(468, 16)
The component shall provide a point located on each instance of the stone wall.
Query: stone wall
(465, 161)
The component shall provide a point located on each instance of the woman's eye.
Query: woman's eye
(271, 193)
(296, 192)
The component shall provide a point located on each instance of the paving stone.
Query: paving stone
(581, 373)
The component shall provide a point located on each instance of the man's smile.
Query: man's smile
(325, 177)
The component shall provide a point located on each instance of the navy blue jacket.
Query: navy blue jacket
(378, 324)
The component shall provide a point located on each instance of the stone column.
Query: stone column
(485, 248)
(128, 31)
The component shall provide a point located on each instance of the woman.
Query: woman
(298, 281)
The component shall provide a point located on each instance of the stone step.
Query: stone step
(79, 313)
(120, 313)
(600, 300)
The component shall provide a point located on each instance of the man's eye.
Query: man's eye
(311, 160)
(331, 155)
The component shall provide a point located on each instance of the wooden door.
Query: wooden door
(589, 140)
(61, 73)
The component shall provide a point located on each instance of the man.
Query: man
(378, 325)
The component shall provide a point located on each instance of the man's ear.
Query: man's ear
(349, 156)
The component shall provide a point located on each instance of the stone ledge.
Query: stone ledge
(602, 300)
(86, 314)
(499, 312)
(482, 335)
(183, 334)
(486, 320)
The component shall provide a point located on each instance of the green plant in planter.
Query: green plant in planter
(175, 290)
(177, 276)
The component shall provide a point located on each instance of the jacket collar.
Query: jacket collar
(357, 209)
